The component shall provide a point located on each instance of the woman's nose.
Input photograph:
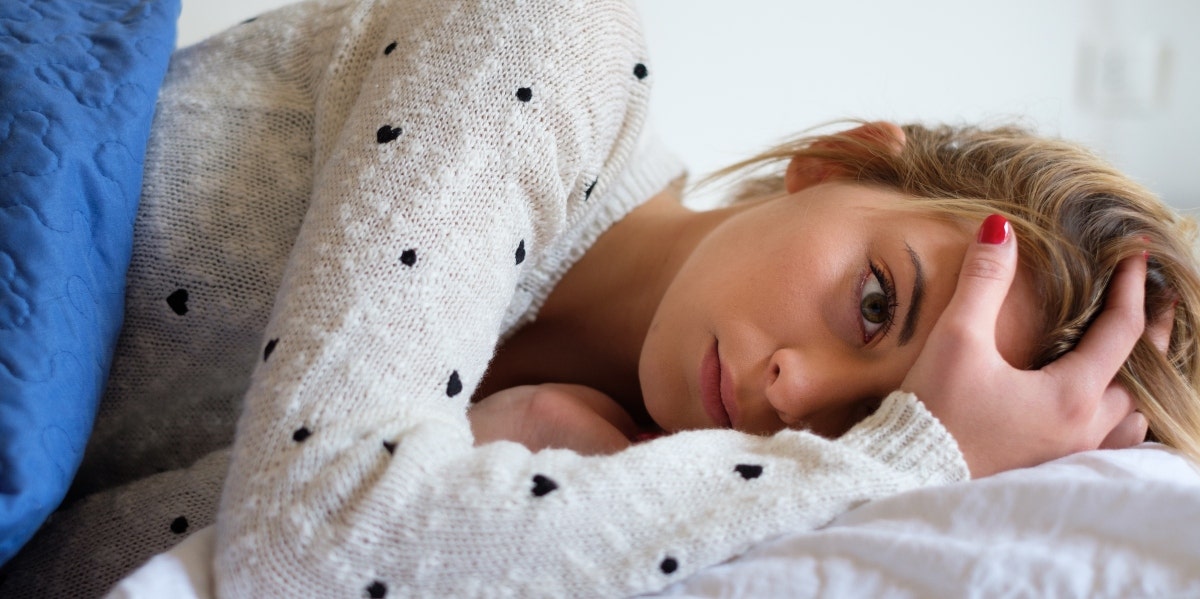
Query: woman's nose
(789, 385)
(823, 392)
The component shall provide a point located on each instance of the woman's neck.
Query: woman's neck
(591, 328)
(609, 297)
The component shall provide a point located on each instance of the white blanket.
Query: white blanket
(1099, 524)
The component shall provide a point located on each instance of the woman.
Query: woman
(1072, 217)
(392, 190)
(458, 202)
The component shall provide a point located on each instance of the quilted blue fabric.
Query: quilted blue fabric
(78, 82)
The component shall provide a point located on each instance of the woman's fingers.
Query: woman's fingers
(1003, 417)
(1132, 428)
(1107, 343)
(987, 273)
(1158, 332)
(1089, 397)
(1109, 417)
(1133, 425)
(1129, 432)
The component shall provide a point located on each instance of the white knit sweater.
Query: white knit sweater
(477, 152)
(439, 165)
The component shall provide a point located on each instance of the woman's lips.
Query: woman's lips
(714, 384)
(728, 396)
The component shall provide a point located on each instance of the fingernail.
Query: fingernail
(994, 230)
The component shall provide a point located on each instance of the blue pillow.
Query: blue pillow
(78, 83)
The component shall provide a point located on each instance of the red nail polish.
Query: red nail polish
(994, 230)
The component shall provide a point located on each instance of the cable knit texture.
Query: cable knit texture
(348, 204)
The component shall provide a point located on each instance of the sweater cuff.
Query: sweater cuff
(904, 434)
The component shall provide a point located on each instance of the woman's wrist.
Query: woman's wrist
(904, 434)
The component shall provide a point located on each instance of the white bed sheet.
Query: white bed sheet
(1099, 524)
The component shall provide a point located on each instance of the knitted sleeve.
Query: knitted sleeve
(464, 139)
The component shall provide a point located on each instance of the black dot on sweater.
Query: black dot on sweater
(669, 565)
(543, 485)
(250, 20)
(377, 590)
(749, 471)
(301, 434)
(454, 385)
(587, 193)
(408, 257)
(525, 94)
(178, 301)
(269, 348)
(521, 252)
(390, 446)
(390, 48)
(386, 134)
(639, 71)
(179, 525)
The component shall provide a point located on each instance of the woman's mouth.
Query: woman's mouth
(714, 388)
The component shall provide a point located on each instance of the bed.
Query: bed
(1116, 523)
(75, 112)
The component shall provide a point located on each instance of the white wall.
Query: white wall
(202, 18)
(731, 77)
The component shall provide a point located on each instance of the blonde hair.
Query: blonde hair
(1075, 217)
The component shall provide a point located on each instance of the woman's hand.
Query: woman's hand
(553, 416)
(1005, 418)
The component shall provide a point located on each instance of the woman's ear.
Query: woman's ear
(806, 171)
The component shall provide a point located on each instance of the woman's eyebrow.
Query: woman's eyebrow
(918, 294)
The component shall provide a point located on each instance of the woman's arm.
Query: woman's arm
(479, 135)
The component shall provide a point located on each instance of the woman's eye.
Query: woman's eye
(876, 304)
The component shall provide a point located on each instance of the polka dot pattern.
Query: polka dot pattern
(387, 134)
(669, 565)
(377, 590)
(454, 386)
(749, 471)
(543, 485)
(408, 257)
(450, 257)
(178, 301)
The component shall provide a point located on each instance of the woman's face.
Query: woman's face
(806, 310)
